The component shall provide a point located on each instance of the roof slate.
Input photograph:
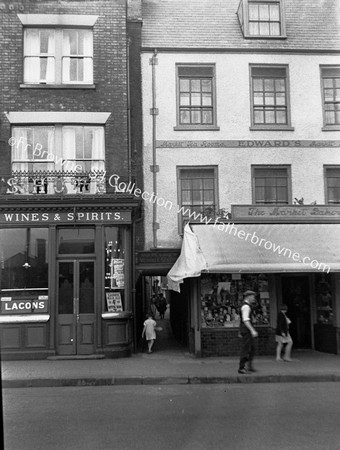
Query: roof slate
(213, 24)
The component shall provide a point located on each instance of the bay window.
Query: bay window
(67, 154)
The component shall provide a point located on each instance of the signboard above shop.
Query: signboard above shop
(286, 213)
(72, 216)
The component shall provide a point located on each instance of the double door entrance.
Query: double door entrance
(76, 307)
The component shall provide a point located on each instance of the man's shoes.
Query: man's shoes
(243, 371)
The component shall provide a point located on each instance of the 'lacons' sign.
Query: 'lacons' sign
(24, 306)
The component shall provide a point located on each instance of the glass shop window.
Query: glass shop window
(23, 259)
(222, 298)
(76, 241)
(324, 298)
(115, 277)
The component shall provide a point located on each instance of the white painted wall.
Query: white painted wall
(233, 118)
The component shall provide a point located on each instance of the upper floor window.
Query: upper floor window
(269, 97)
(271, 185)
(197, 189)
(330, 80)
(196, 97)
(69, 156)
(332, 180)
(58, 56)
(262, 19)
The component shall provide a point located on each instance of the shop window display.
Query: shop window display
(23, 260)
(324, 303)
(114, 269)
(222, 298)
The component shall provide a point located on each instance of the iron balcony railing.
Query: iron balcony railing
(53, 182)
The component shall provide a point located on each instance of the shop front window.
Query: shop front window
(115, 280)
(23, 259)
(324, 298)
(76, 241)
(222, 298)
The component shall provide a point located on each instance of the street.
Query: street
(191, 417)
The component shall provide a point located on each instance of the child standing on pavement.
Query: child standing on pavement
(149, 331)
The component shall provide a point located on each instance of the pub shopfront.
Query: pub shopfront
(297, 263)
(66, 276)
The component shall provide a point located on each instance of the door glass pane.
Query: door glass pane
(66, 287)
(86, 287)
(76, 240)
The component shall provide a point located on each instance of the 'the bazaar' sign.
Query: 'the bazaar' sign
(319, 213)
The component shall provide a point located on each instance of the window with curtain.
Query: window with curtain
(331, 95)
(33, 149)
(58, 56)
(77, 52)
(271, 185)
(269, 97)
(58, 159)
(196, 96)
(39, 56)
(262, 19)
(332, 175)
(84, 147)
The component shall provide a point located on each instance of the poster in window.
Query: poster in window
(114, 302)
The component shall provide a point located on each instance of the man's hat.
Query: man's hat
(248, 293)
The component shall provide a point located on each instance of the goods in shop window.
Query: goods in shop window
(222, 297)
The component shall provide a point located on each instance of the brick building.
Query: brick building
(67, 235)
(241, 139)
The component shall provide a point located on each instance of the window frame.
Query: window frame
(287, 167)
(271, 126)
(179, 169)
(325, 169)
(326, 126)
(243, 18)
(184, 127)
(58, 153)
(59, 56)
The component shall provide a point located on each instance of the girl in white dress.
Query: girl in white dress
(149, 331)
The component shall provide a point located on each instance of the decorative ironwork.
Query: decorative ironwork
(55, 182)
(212, 213)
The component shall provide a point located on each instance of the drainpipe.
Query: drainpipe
(128, 43)
(154, 168)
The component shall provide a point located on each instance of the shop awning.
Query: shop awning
(256, 248)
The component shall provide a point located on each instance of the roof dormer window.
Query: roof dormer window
(262, 19)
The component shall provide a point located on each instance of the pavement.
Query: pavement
(168, 367)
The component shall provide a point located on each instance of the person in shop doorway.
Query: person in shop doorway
(149, 331)
(282, 336)
(247, 334)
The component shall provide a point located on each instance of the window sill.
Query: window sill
(270, 128)
(57, 86)
(331, 128)
(197, 128)
(24, 318)
(248, 36)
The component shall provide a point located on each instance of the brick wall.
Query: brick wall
(224, 342)
(110, 73)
